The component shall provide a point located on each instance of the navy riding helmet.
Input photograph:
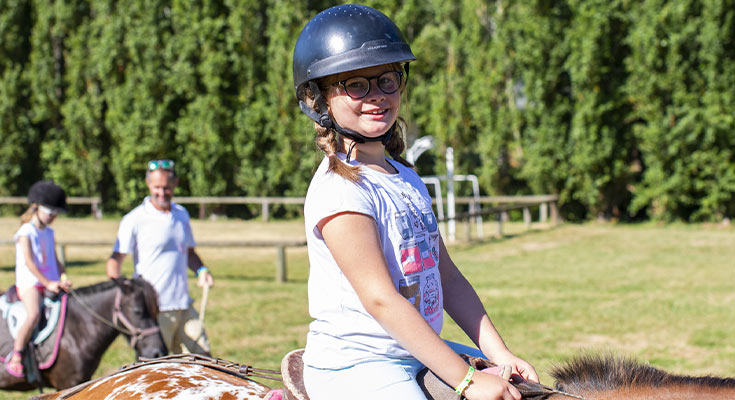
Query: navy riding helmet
(49, 194)
(340, 39)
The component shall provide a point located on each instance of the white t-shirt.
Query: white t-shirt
(44, 255)
(343, 332)
(160, 243)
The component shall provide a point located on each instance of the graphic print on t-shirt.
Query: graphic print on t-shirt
(419, 246)
(44, 267)
(410, 258)
(409, 287)
(431, 295)
(419, 243)
(425, 251)
(404, 225)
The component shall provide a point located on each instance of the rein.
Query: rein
(228, 367)
(117, 315)
(574, 396)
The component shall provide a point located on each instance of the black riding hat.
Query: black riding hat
(340, 39)
(49, 194)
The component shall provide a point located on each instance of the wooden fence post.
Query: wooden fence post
(527, 217)
(264, 211)
(543, 210)
(500, 224)
(280, 264)
(96, 212)
(61, 248)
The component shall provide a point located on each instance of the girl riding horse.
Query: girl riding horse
(37, 266)
(380, 275)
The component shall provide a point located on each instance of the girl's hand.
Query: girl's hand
(65, 282)
(485, 386)
(53, 286)
(519, 366)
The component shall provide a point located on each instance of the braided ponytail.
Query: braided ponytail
(396, 145)
(329, 143)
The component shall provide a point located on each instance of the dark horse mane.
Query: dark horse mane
(149, 293)
(599, 373)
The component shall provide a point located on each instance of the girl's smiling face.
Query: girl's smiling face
(370, 116)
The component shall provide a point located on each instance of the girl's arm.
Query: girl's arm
(353, 241)
(64, 283)
(25, 245)
(465, 307)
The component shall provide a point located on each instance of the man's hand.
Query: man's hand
(205, 278)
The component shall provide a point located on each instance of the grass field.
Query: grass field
(663, 294)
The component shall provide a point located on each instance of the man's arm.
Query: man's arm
(114, 265)
(204, 277)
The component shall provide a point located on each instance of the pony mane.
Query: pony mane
(150, 295)
(149, 292)
(589, 373)
(96, 288)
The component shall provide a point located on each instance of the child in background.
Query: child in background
(380, 275)
(37, 266)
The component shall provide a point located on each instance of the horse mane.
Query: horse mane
(151, 297)
(96, 288)
(589, 373)
(149, 292)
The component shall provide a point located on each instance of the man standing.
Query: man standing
(159, 235)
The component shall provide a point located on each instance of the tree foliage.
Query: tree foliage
(623, 108)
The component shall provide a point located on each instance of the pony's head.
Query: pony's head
(139, 305)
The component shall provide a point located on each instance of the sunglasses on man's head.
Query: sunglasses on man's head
(160, 164)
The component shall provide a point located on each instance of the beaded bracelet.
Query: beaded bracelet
(466, 382)
(201, 269)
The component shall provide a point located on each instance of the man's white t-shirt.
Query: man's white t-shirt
(343, 332)
(44, 255)
(159, 242)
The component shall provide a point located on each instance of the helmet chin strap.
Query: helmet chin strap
(325, 120)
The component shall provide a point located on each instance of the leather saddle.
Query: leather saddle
(292, 367)
(14, 313)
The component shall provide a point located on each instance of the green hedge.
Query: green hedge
(624, 108)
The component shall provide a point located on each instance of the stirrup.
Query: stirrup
(18, 373)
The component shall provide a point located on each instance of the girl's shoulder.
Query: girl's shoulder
(27, 230)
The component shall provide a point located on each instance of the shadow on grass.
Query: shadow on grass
(463, 243)
(250, 278)
(81, 264)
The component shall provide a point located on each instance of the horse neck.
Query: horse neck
(97, 335)
(666, 392)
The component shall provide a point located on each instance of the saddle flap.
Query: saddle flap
(12, 294)
(292, 372)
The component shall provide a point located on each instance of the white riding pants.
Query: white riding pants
(383, 379)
